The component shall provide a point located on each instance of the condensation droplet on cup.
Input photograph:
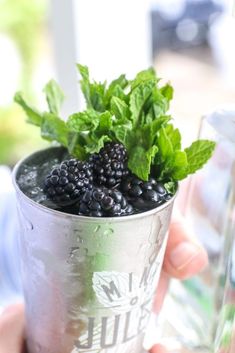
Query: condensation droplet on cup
(28, 225)
(78, 252)
(97, 228)
(108, 232)
(79, 238)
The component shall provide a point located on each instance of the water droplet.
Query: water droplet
(79, 239)
(97, 228)
(77, 253)
(77, 230)
(108, 232)
(78, 236)
(28, 225)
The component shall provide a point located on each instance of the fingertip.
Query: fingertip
(158, 349)
(186, 260)
(185, 256)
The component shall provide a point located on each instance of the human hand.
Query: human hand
(184, 258)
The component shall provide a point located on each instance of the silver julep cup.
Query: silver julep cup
(88, 282)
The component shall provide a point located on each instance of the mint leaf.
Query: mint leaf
(85, 83)
(174, 136)
(131, 112)
(54, 96)
(154, 126)
(171, 187)
(179, 165)
(116, 89)
(54, 129)
(83, 121)
(164, 145)
(143, 76)
(138, 100)
(95, 145)
(167, 91)
(94, 92)
(120, 109)
(160, 104)
(34, 117)
(122, 133)
(198, 154)
(105, 123)
(140, 161)
(76, 144)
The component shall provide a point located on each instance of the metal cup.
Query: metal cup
(88, 282)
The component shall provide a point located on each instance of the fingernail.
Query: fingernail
(183, 254)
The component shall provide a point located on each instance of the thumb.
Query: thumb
(184, 256)
(12, 329)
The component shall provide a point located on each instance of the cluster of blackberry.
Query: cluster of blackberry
(110, 164)
(103, 186)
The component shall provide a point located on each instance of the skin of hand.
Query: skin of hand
(184, 258)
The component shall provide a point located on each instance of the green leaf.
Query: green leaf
(54, 96)
(154, 126)
(97, 96)
(85, 83)
(140, 161)
(116, 89)
(142, 76)
(138, 100)
(94, 93)
(179, 165)
(198, 154)
(122, 133)
(105, 123)
(117, 92)
(54, 129)
(84, 72)
(76, 145)
(96, 145)
(131, 112)
(83, 121)
(174, 136)
(120, 109)
(34, 117)
(171, 187)
(164, 144)
(160, 104)
(167, 91)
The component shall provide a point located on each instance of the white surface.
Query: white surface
(113, 37)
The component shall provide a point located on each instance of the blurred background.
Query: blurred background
(188, 41)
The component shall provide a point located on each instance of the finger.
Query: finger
(158, 349)
(184, 256)
(161, 292)
(12, 329)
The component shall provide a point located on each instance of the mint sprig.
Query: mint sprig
(133, 112)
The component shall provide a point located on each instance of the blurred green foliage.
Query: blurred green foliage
(24, 22)
(16, 137)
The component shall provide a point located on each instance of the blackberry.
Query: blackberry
(103, 202)
(144, 195)
(67, 182)
(110, 164)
